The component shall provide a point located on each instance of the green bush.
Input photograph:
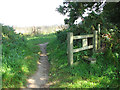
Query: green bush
(62, 35)
(17, 58)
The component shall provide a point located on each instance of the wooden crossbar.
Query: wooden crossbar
(83, 48)
(83, 36)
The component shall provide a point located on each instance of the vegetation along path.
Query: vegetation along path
(40, 78)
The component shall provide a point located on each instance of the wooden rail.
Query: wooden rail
(83, 36)
(85, 46)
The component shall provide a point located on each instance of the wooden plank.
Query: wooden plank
(95, 42)
(70, 48)
(93, 62)
(83, 48)
(84, 42)
(89, 58)
(83, 36)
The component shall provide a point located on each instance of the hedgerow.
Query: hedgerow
(19, 58)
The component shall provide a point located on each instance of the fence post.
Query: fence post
(95, 41)
(99, 36)
(70, 48)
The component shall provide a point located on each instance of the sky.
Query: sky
(30, 12)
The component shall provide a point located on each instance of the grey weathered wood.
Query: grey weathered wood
(93, 62)
(95, 41)
(88, 58)
(0, 28)
(83, 48)
(70, 48)
(84, 42)
(99, 36)
(83, 36)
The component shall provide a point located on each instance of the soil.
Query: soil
(40, 78)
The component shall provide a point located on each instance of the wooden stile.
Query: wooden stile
(85, 46)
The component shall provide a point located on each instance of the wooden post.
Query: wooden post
(84, 42)
(99, 36)
(0, 28)
(70, 48)
(95, 41)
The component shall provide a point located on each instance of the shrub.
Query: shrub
(17, 58)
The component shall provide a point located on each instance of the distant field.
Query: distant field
(39, 29)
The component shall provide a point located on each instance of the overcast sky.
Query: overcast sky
(30, 12)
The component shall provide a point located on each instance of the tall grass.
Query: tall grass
(20, 56)
(19, 59)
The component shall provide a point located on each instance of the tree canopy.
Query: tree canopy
(110, 11)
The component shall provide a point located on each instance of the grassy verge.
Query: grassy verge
(83, 75)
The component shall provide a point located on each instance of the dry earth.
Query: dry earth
(40, 78)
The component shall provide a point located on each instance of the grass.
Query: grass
(37, 39)
(20, 58)
(20, 61)
(82, 75)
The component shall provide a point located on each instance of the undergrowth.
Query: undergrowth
(103, 74)
(19, 58)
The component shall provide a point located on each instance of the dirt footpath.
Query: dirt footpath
(40, 78)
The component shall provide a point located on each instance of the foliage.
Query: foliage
(75, 9)
(103, 74)
(20, 54)
(89, 23)
(62, 35)
(17, 58)
(112, 12)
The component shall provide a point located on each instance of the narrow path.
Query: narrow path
(40, 78)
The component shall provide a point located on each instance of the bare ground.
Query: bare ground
(40, 78)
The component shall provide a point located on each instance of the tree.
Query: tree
(112, 12)
(75, 10)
